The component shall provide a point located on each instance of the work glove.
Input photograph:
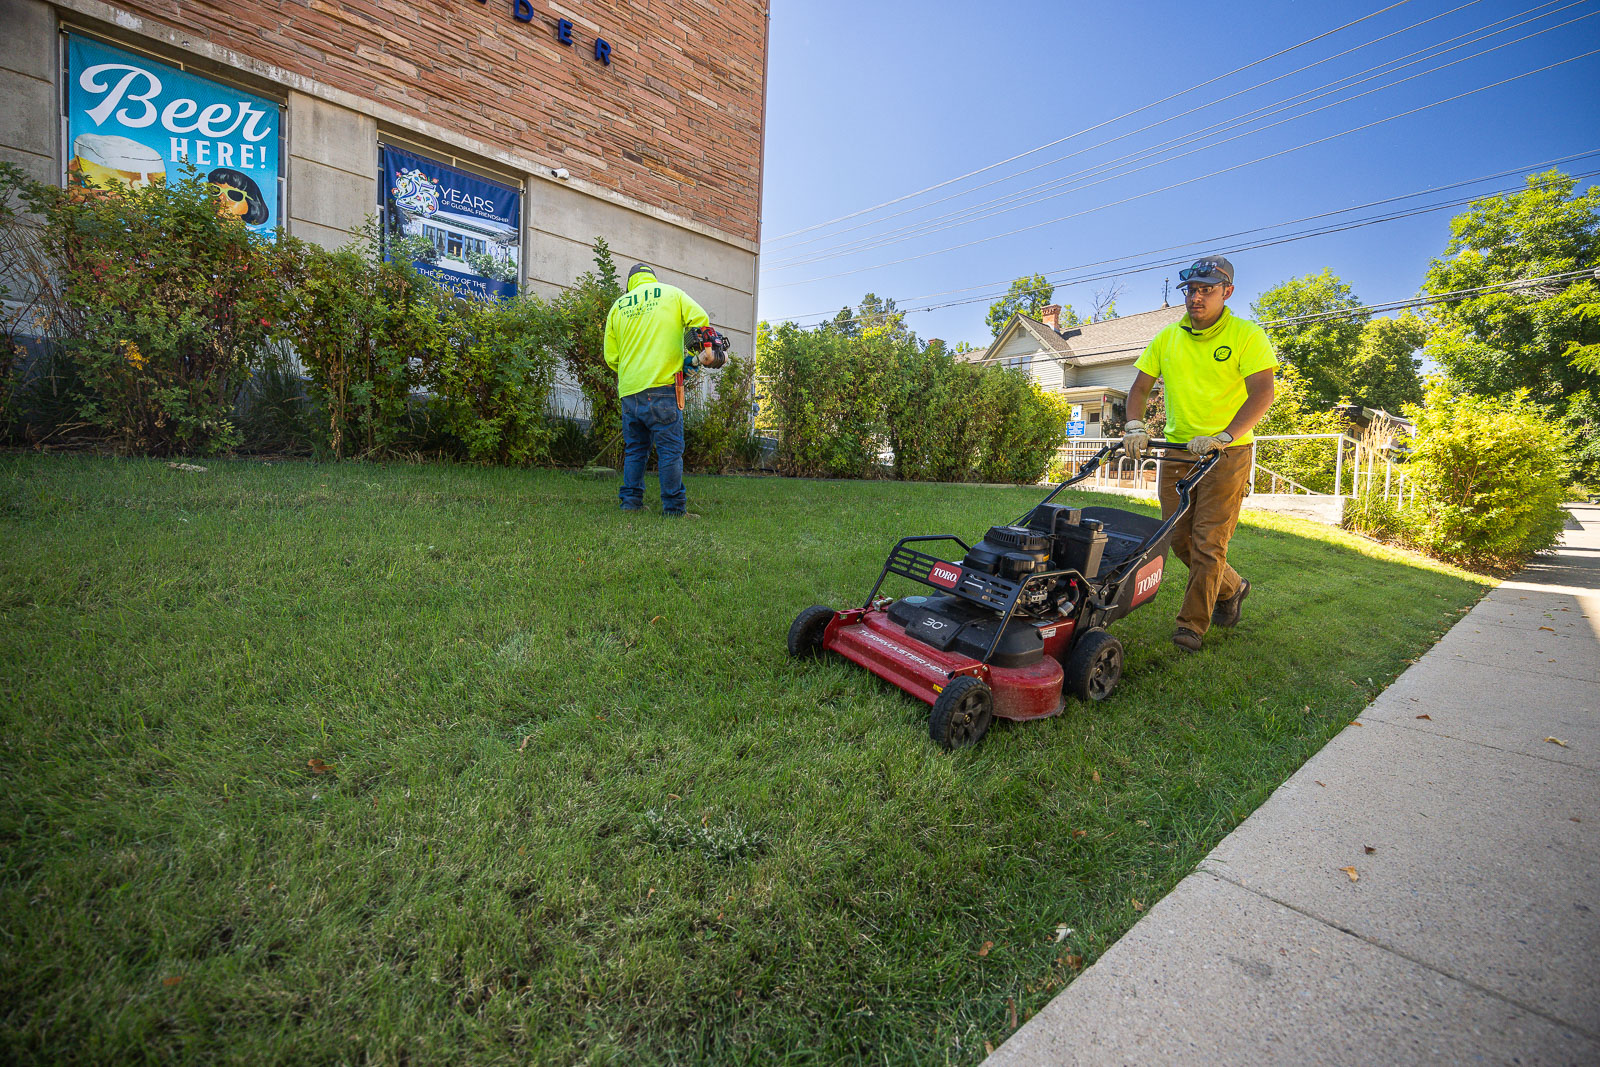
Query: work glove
(1134, 438)
(1204, 446)
(691, 363)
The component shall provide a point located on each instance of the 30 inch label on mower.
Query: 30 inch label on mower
(944, 574)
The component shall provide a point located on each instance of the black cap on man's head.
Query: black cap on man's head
(1207, 270)
(640, 267)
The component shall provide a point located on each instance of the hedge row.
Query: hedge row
(169, 328)
(880, 403)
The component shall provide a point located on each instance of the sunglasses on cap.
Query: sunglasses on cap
(1203, 268)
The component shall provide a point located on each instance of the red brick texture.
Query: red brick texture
(674, 121)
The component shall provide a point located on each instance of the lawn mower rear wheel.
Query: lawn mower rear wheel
(1095, 666)
(962, 714)
(805, 633)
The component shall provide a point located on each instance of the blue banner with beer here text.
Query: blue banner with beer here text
(132, 120)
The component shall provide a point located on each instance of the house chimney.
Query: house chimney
(1050, 315)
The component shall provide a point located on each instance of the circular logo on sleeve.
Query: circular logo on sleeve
(1221, 353)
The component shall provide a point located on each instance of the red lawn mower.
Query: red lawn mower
(1019, 621)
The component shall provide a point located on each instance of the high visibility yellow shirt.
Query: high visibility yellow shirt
(644, 333)
(1205, 371)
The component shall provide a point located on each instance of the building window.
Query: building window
(1094, 416)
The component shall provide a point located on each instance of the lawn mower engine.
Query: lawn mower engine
(1015, 625)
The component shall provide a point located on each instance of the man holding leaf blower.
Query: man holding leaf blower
(647, 330)
(1218, 370)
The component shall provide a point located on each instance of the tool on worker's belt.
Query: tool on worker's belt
(706, 348)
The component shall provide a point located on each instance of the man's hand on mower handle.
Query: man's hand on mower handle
(1134, 438)
(1204, 446)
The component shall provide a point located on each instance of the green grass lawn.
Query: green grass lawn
(430, 764)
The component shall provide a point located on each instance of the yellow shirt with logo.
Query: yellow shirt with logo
(644, 333)
(1205, 371)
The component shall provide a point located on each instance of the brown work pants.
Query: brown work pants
(1200, 538)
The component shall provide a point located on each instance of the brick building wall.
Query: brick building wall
(673, 121)
(659, 151)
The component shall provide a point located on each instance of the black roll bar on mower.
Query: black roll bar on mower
(1002, 594)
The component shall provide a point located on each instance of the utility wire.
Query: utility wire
(1185, 114)
(1198, 178)
(1364, 312)
(1211, 242)
(1097, 126)
(1024, 198)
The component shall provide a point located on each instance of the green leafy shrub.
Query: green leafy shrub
(1491, 478)
(934, 419)
(1024, 428)
(825, 399)
(170, 301)
(716, 432)
(581, 347)
(494, 379)
(370, 336)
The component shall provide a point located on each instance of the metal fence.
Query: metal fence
(1358, 467)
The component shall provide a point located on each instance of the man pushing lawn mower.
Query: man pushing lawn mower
(1218, 370)
(1020, 620)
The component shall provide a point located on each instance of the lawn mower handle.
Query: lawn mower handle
(1200, 465)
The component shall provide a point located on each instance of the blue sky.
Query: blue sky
(870, 102)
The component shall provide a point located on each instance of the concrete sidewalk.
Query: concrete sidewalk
(1473, 933)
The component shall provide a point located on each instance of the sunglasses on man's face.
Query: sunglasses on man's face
(1197, 289)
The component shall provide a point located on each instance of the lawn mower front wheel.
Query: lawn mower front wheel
(1095, 666)
(806, 632)
(962, 714)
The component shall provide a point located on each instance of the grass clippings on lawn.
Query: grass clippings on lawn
(399, 764)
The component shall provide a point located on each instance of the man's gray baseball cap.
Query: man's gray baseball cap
(638, 267)
(1207, 270)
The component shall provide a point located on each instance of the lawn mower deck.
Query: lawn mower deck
(1014, 625)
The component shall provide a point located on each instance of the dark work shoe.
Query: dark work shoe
(630, 507)
(1186, 639)
(1227, 612)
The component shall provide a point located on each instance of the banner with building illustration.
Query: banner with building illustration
(459, 229)
(133, 120)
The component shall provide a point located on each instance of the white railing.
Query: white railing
(1358, 467)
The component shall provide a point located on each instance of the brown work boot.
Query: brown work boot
(1227, 612)
(1186, 639)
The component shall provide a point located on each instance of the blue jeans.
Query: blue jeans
(652, 416)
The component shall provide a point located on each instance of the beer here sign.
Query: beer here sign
(132, 120)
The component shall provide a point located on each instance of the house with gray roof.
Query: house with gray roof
(1089, 364)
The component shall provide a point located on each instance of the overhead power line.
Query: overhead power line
(1097, 126)
(1217, 241)
(1184, 114)
(1223, 247)
(1197, 178)
(1035, 194)
(1364, 311)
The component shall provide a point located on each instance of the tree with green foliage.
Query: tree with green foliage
(1542, 337)
(873, 313)
(1028, 295)
(1385, 370)
(1319, 351)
